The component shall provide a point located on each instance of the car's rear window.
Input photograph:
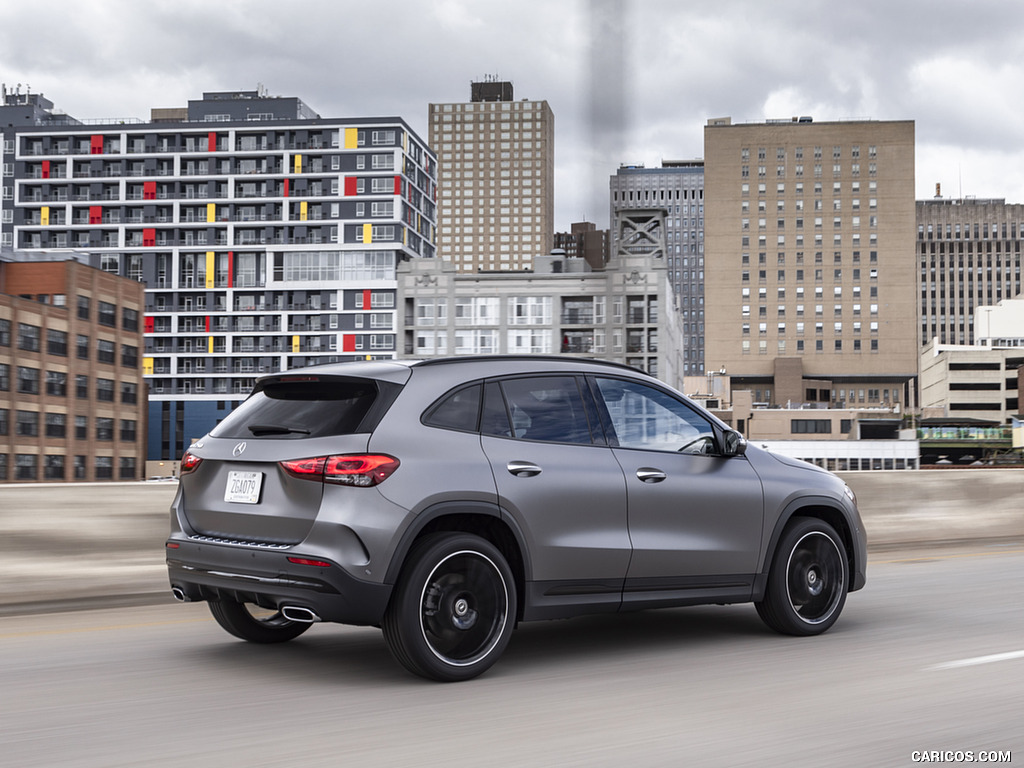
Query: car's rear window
(298, 409)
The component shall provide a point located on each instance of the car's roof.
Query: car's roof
(469, 366)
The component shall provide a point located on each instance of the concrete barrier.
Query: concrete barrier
(925, 507)
(65, 546)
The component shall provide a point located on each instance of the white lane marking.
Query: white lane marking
(972, 662)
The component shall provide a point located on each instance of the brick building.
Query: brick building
(72, 395)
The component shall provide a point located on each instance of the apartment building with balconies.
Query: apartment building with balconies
(266, 236)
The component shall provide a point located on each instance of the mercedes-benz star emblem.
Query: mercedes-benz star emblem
(237, 450)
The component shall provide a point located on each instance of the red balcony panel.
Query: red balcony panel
(348, 342)
(149, 190)
(351, 185)
(95, 214)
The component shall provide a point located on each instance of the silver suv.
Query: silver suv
(446, 500)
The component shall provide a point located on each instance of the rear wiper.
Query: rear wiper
(276, 429)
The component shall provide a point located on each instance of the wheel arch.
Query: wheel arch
(480, 519)
(816, 507)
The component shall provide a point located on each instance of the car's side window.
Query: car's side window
(546, 408)
(457, 410)
(646, 417)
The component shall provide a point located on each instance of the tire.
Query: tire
(808, 580)
(238, 620)
(453, 610)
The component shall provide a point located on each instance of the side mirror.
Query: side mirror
(733, 443)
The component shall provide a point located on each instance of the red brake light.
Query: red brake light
(189, 461)
(306, 469)
(362, 470)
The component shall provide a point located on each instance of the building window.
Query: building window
(82, 347)
(57, 343)
(105, 390)
(130, 319)
(27, 424)
(26, 466)
(56, 424)
(126, 469)
(28, 380)
(28, 337)
(105, 351)
(83, 307)
(129, 356)
(56, 383)
(107, 314)
(53, 467)
(104, 428)
(810, 427)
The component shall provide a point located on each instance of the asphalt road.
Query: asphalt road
(929, 657)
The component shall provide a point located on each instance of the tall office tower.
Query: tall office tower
(677, 188)
(969, 255)
(267, 236)
(585, 241)
(495, 201)
(811, 282)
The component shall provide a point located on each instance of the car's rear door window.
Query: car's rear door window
(546, 408)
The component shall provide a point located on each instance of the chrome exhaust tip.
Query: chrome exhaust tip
(179, 595)
(299, 614)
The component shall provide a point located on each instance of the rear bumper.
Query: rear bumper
(212, 571)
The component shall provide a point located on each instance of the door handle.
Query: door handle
(650, 475)
(522, 468)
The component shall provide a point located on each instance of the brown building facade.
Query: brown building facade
(811, 275)
(496, 178)
(72, 396)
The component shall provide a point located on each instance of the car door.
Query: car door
(562, 486)
(695, 516)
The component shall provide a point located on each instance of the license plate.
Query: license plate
(244, 487)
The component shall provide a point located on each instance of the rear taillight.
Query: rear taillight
(362, 470)
(189, 461)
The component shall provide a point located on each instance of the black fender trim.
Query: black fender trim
(453, 509)
(792, 510)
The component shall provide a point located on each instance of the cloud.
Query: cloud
(627, 80)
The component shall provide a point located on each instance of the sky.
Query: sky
(628, 81)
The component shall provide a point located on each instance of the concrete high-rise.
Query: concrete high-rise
(811, 275)
(495, 202)
(677, 188)
(969, 253)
